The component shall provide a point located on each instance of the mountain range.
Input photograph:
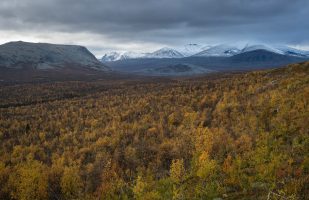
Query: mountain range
(21, 60)
(196, 50)
(195, 65)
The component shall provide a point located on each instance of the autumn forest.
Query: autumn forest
(229, 136)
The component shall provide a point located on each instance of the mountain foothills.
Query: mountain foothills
(221, 136)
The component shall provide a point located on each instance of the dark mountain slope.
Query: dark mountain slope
(43, 56)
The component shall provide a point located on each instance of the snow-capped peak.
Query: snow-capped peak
(111, 56)
(254, 47)
(114, 56)
(290, 51)
(132, 55)
(191, 49)
(222, 50)
(165, 52)
(219, 50)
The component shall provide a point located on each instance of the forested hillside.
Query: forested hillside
(236, 136)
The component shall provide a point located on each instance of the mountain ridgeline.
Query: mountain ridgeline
(195, 50)
(253, 60)
(202, 60)
(44, 62)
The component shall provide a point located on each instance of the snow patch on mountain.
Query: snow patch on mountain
(132, 55)
(114, 56)
(161, 53)
(111, 56)
(165, 53)
(248, 48)
(279, 49)
(286, 50)
(222, 50)
(192, 49)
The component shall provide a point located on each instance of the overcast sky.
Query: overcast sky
(145, 25)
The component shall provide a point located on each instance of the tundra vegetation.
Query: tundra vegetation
(233, 136)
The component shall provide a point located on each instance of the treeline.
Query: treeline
(235, 137)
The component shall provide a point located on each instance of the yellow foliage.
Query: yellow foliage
(71, 183)
(206, 166)
(30, 182)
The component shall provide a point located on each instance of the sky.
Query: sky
(147, 25)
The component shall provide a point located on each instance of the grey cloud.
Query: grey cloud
(166, 21)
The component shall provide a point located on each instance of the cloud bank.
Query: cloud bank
(104, 25)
